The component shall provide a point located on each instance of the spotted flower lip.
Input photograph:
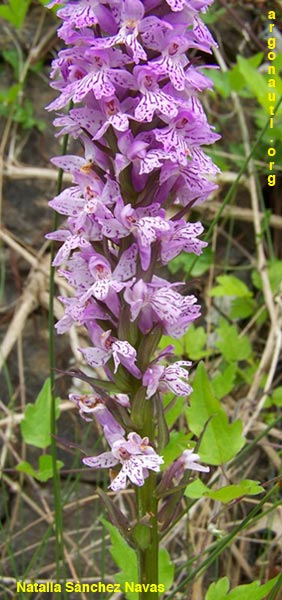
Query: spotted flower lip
(135, 455)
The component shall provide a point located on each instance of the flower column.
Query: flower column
(132, 84)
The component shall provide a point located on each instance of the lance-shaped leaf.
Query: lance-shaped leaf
(221, 441)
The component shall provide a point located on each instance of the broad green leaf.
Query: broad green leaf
(196, 489)
(194, 265)
(177, 443)
(254, 80)
(45, 470)
(223, 382)
(195, 340)
(221, 82)
(175, 410)
(226, 494)
(125, 558)
(36, 425)
(178, 344)
(229, 285)
(191, 346)
(166, 569)
(250, 591)
(242, 308)
(8, 96)
(232, 346)
(221, 440)
(11, 56)
(15, 12)
(236, 79)
(218, 589)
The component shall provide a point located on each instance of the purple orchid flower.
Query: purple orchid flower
(167, 379)
(107, 347)
(146, 225)
(136, 456)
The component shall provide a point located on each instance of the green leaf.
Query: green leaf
(15, 12)
(36, 425)
(192, 345)
(166, 569)
(196, 489)
(194, 265)
(125, 558)
(221, 441)
(246, 487)
(220, 80)
(175, 410)
(250, 591)
(218, 589)
(11, 56)
(45, 470)
(194, 341)
(232, 346)
(242, 308)
(223, 382)
(177, 443)
(236, 79)
(9, 95)
(254, 81)
(141, 535)
(229, 285)
(277, 396)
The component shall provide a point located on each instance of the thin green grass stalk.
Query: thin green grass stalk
(37, 559)
(266, 221)
(9, 385)
(276, 592)
(59, 534)
(223, 543)
(2, 278)
(229, 243)
(103, 550)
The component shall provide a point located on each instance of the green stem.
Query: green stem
(147, 503)
(148, 557)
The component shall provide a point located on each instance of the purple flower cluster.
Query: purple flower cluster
(130, 67)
